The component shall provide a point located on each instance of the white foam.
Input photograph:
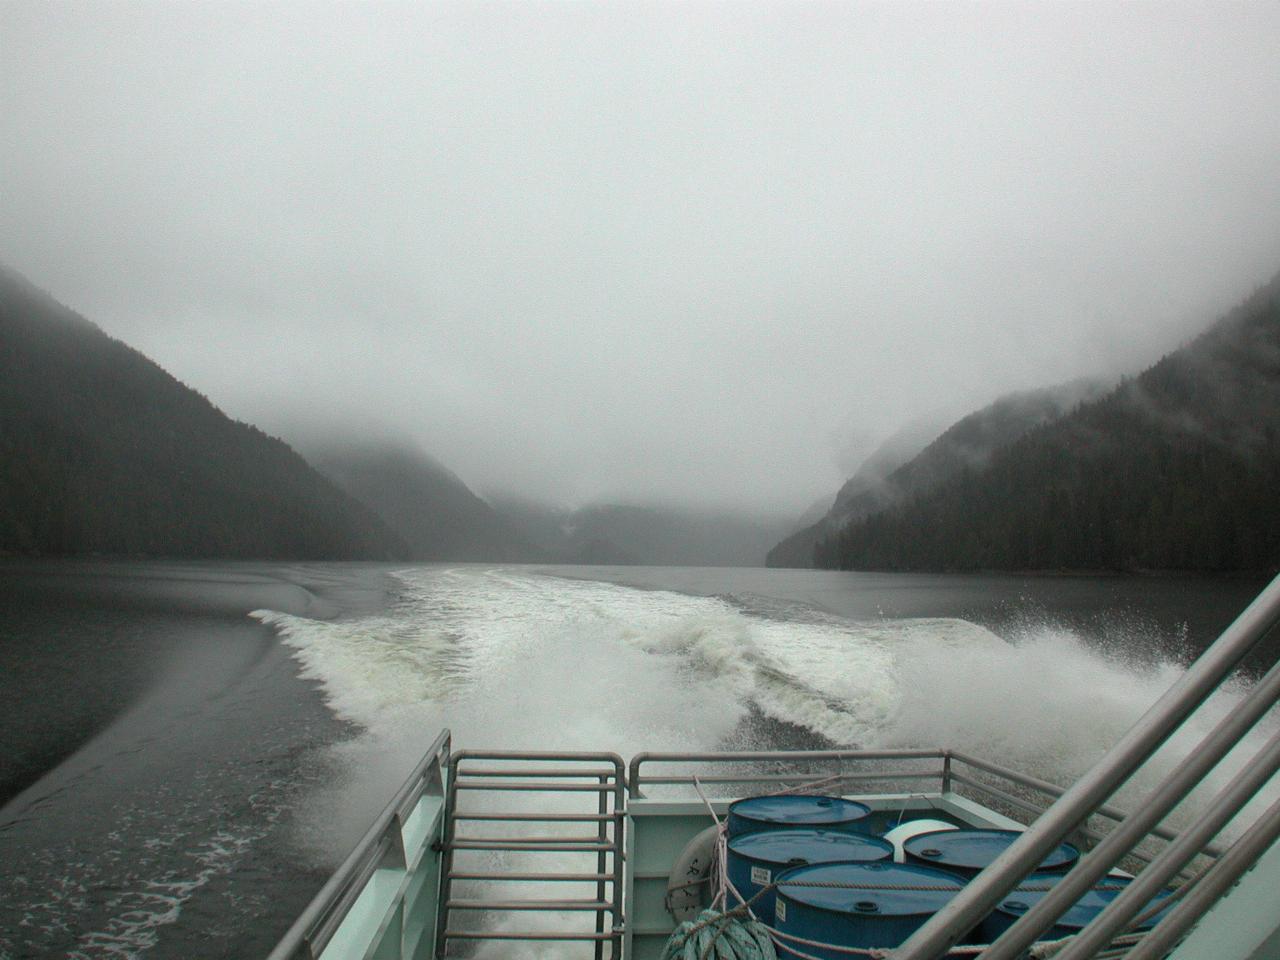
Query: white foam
(517, 660)
(514, 660)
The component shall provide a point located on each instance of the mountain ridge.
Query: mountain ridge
(908, 466)
(429, 506)
(1173, 469)
(103, 452)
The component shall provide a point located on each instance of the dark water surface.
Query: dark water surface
(157, 740)
(160, 748)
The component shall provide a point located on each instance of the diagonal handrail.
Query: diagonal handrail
(1240, 857)
(1138, 894)
(978, 898)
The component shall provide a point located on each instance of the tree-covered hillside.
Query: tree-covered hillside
(103, 452)
(910, 465)
(1176, 469)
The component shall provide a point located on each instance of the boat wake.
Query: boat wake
(516, 660)
(511, 659)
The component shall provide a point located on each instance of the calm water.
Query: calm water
(190, 748)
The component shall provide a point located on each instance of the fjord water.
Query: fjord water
(191, 748)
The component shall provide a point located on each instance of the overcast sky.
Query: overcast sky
(706, 253)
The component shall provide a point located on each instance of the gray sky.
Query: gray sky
(702, 253)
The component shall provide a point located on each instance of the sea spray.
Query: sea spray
(512, 659)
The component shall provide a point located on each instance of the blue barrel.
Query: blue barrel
(757, 859)
(862, 913)
(794, 812)
(1031, 890)
(966, 852)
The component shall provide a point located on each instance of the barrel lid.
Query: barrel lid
(974, 849)
(799, 808)
(781, 847)
(916, 890)
(1033, 889)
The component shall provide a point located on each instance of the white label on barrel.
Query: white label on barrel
(780, 911)
(761, 875)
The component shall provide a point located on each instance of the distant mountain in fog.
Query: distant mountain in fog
(103, 452)
(917, 460)
(628, 534)
(428, 506)
(797, 549)
(1175, 469)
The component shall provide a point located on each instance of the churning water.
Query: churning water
(200, 819)
(520, 660)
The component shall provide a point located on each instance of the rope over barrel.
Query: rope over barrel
(738, 934)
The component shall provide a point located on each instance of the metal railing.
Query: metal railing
(1079, 811)
(381, 846)
(601, 776)
(1014, 793)
(1089, 795)
(807, 760)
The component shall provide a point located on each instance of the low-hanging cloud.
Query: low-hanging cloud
(677, 253)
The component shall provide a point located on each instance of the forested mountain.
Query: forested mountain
(103, 452)
(796, 550)
(1176, 469)
(909, 465)
(629, 534)
(432, 510)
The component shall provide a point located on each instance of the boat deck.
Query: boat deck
(574, 848)
(568, 852)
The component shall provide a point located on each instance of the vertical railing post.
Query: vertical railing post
(946, 771)
(602, 807)
(450, 771)
(619, 853)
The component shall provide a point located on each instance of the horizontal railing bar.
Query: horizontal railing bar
(564, 756)
(538, 787)
(743, 756)
(554, 906)
(1111, 813)
(543, 847)
(537, 877)
(1088, 832)
(1007, 773)
(530, 935)
(543, 817)
(1027, 807)
(635, 780)
(993, 791)
(546, 838)
(785, 778)
(537, 772)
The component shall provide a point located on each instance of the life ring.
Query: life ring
(689, 886)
